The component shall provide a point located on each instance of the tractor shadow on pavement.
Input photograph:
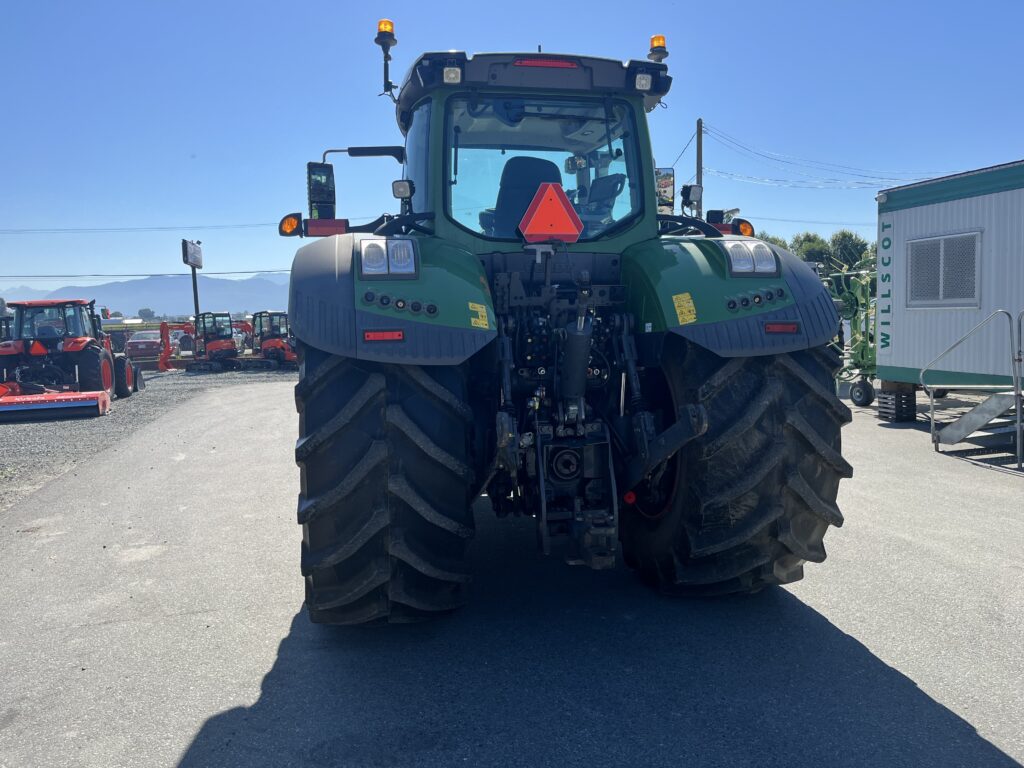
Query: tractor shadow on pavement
(556, 666)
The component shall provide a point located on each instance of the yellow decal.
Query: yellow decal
(685, 311)
(480, 319)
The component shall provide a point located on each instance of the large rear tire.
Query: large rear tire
(750, 501)
(124, 376)
(96, 370)
(385, 459)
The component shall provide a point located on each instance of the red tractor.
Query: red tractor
(58, 358)
(272, 337)
(215, 347)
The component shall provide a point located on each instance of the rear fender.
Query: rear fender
(333, 308)
(683, 286)
(76, 344)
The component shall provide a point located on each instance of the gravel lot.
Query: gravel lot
(31, 453)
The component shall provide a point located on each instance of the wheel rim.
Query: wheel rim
(129, 375)
(107, 374)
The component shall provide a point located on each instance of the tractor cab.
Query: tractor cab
(272, 337)
(5, 327)
(214, 336)
(54, 322)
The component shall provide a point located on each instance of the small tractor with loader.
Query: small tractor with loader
(58, 361)
(272, 338)
(529, 326)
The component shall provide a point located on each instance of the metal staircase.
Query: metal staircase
(1002, 412)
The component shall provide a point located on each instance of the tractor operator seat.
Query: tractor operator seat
(520, 179)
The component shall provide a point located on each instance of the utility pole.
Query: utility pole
(700, 167)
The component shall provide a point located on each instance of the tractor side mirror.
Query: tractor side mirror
(320, 190)
(665, 182)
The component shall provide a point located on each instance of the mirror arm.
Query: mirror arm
(396, 152)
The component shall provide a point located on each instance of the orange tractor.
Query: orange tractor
(272, 338)
(57, 359)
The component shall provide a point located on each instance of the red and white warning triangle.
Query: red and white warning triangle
(550, 217)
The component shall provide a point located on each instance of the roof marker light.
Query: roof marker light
(550, 63)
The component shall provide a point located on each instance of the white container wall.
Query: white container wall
(950, 252)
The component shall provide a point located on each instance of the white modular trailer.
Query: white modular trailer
(950, 252)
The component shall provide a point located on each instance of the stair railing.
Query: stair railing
(1015, 372)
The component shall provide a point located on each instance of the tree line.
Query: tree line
(843, 249)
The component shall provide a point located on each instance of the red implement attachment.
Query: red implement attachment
(17, 402)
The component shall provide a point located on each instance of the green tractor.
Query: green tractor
(530, 327)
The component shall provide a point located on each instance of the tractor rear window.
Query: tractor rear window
(501, 149)
(49, 322)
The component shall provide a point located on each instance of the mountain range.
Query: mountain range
(171, 295)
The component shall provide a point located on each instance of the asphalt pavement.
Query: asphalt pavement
(151, 616)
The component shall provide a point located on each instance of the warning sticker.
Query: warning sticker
(478, 319)
(685, 311)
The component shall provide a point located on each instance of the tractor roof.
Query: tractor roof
(48, 303)
(530, 72)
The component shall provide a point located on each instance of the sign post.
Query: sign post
(192, 255)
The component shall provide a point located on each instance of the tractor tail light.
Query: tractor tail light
(782, 327)
(383, 335)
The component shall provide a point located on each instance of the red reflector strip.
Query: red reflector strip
(552, 63)
(383, 335)
(325, 227)
(782, 327)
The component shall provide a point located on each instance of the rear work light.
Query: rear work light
(381, 258)
(383, 335)
(782, 327)
(550, 63)
(750, 259)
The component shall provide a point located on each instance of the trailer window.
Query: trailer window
(943, 271)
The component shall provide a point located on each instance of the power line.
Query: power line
(140, 274)
(692, 137)
(872, 173)
(108, 230)
(792, 183)
(754, 217)
(163, 228)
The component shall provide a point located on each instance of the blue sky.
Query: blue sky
(168, 114)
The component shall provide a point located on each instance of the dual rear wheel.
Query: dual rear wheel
(389, 463)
